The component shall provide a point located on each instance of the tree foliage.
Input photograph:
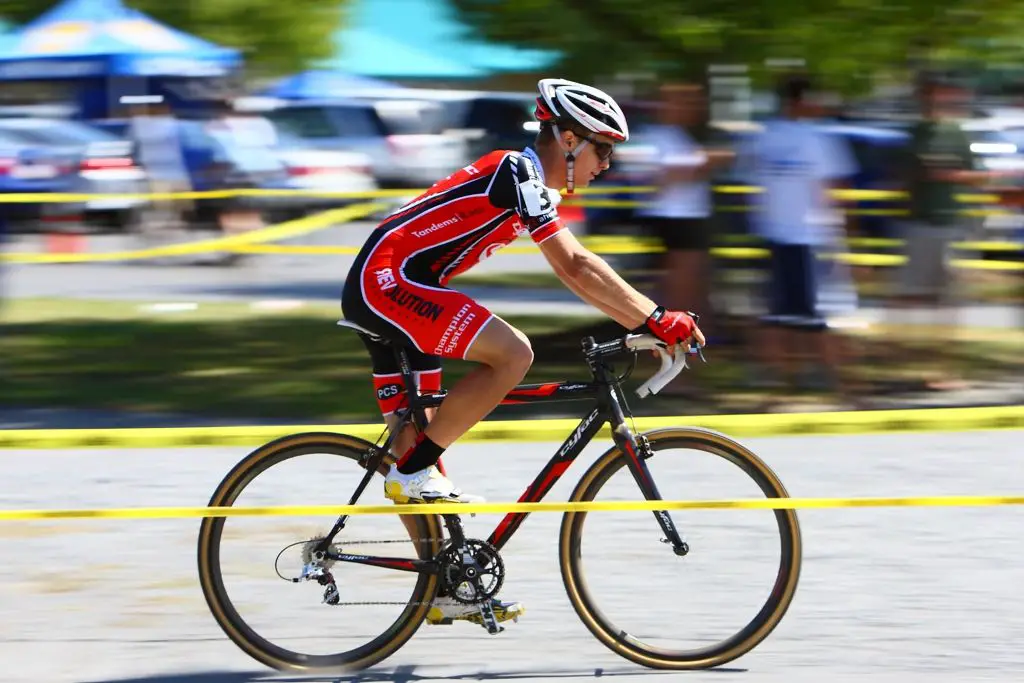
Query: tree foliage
(276, 37)
(847, 42)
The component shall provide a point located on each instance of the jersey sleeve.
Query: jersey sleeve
(517, 186)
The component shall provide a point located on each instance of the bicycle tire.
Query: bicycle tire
(227, 616)
(631, 648)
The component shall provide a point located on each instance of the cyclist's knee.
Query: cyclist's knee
(519, 356)
(502, 347)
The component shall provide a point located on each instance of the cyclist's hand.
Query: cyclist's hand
(674, 327)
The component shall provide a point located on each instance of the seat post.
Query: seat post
(418, 416)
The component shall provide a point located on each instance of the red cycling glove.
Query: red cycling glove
(671, 327)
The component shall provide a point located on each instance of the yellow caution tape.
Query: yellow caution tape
(67, 197)
(625, 247)
(980, 264)
(993, 245)
(783, 424)
(503, 508)
(295, 249)
(280, 231)
(633, 204)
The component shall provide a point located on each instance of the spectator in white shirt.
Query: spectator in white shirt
(155, 131)
(797, 165)
(679, 212)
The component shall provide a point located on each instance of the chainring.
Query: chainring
(473, 572)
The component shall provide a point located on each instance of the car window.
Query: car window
(72, 131)
(12, 139)
(358, 122)
(61, 133)
(243, 152)
(1014, 136)
(412, 117)
(505, 117)
(304, 122)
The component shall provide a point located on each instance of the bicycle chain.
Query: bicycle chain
(368, 604)
(401, 540)
(381, 603)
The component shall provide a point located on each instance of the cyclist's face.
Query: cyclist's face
(594, 159)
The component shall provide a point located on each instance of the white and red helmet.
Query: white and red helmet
(593, 109)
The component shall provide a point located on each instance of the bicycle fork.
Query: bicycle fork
(639, 451)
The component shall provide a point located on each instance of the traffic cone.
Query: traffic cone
(59, 236)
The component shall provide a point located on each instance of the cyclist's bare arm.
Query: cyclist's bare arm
(591, 278)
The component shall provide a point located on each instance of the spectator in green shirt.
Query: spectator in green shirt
(936, 165)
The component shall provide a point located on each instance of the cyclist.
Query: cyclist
(397, 286)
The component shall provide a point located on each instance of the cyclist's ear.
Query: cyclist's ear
(569, 140)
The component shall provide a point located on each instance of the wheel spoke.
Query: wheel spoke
(676, 634)
(271, 632)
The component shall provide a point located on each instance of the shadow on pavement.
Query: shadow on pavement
(404, 674)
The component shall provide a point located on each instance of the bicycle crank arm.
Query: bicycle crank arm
(490, 621)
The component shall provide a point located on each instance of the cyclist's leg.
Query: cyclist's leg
(505, 356)
(388, 385)
(461, 324)
(438, 321)
(392, 396)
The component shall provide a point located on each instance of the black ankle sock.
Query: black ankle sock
(423, 455)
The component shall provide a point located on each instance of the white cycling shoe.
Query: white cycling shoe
(425, 486)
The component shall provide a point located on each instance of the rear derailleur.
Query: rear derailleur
(316, 567)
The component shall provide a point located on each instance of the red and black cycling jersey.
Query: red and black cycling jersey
(468, 216)
(397, 285)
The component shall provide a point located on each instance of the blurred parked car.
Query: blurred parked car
(323, 170)
(218, 157)
(489, 120)
(29, 168)
(83, 160)
(404, 139)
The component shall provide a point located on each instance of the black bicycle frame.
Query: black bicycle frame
(605, 391)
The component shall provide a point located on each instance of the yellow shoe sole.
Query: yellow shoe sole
(393, 492)
(436, 616)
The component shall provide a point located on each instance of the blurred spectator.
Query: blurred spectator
(240, 129)
(154, 130)
(679, 212)
(935, 166)
(798, 166)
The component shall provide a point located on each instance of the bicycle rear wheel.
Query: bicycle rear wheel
(644, 646)
(375, 649)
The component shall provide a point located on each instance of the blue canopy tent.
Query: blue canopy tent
(5, 34)
(417, 39)
(320, 83)
(95, 43)
(82, 38)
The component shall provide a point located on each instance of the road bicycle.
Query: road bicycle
(472, 570)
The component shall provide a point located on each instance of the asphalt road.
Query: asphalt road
(895, 594)
(311, 278)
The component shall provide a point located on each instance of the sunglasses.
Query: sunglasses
(604, 149)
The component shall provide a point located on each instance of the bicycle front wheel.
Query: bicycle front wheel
(659, 623)
(301, 632)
